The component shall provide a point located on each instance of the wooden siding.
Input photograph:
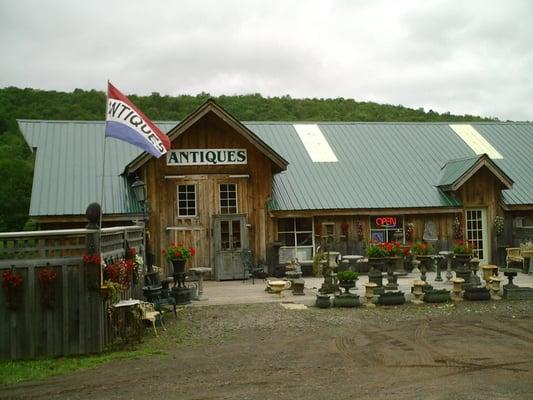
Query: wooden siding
(253, 192)
(78, 323)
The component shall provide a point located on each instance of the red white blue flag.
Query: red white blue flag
(126, 122)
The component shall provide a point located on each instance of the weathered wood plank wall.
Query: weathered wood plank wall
(254, 188)
(77, 323)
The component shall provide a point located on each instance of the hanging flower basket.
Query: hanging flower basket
(12, 285)
(47, 278)
(92, 264)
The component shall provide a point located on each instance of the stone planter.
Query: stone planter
(322, 301)
(346, 300)
(347, 285)
(391, 298)
(437, 296)
(476, 293)
(182, 295)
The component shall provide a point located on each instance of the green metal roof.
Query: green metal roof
(68, 168)
(454, 169)
(380, 165)
(390, 165)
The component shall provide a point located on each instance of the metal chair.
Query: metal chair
(249, 265)
(514, 256)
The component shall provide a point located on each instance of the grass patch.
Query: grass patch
(27, 370)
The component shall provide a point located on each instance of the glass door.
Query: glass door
(230, 239)
(476, 233)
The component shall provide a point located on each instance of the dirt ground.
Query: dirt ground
(472, 351)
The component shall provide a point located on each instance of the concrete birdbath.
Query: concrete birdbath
(200, 272)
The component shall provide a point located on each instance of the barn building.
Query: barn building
(228, 185)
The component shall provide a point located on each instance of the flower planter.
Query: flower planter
(476, 293)
(346, 300)
(322, 301)
(437, 296)
(391, 298)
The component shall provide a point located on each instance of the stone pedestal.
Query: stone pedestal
(448, 257)
(495, 288)
(369, 294)
(458, 287)
(298, 287)
(200, 272)
(418, 291)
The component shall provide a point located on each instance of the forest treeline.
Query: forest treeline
(16, 159)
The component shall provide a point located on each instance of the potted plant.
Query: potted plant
(178, 254)
(422, 250)
(347, 280)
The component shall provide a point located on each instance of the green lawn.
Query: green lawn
(18, 371)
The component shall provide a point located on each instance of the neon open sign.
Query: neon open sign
(386, 222)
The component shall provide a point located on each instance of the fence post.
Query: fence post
(95, 316)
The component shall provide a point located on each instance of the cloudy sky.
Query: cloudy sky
(466, 57)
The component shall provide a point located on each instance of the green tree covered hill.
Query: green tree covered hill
(16, 159)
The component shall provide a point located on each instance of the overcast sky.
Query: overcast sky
(466, 57)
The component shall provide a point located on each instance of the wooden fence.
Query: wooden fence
(77, 321)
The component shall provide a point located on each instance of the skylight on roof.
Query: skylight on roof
(475, 140)
(315, 143)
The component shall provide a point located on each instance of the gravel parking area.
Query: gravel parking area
(473, 350)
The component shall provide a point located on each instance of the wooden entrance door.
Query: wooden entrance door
(229, 238)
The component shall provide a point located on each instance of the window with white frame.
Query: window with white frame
(228, 198)
(296, 234)
(187, 201)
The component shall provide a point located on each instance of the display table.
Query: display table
(126, 320)
(353, 259)
(528, 253)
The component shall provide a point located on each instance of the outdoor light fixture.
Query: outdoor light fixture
(139, 190)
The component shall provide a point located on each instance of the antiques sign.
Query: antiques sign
(207, 157)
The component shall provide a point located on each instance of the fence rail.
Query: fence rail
(68, 316)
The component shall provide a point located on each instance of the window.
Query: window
(187, 200)
(328, 229)
(228, 198)
(386, 228)
(296, 234)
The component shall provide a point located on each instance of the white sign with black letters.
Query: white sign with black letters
(207, 157)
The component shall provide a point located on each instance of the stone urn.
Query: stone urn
(179, 272)
(437, 296)
(322, 301)
(346, 300)
(476, 293)
(277, 287)
(391, 298)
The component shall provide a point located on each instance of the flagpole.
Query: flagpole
(102, 193)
